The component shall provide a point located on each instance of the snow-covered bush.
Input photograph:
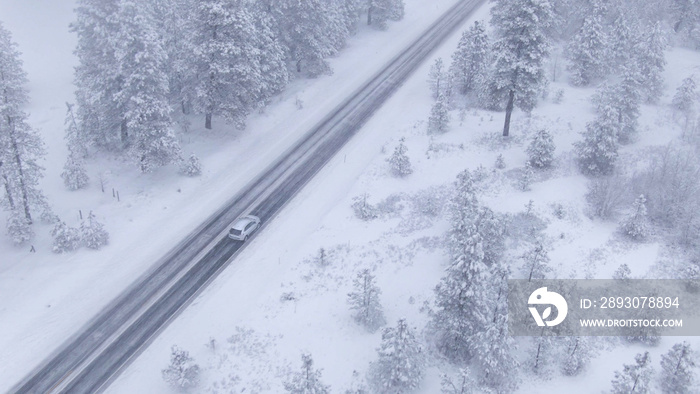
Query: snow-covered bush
(634, 378)
(308, 380)
(540, 152)
(464, 383)
(399, 162)
(93, 233)
(439, 119)
(363, 209)
(622, 272)
(18, 227)
(182, 374)
(401, 361)
(191, 167)
(605, 195)
(578, 354)
(429, 202)
(678, 369)
(635, 225)
(364, 301)
(65, 238)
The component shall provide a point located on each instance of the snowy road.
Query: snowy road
(88, 361)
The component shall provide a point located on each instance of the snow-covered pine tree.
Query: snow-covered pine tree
(401, 361)
(686, 20)
(399, 162)
(439, 121)
(678, 369)
(225, 52)
(525, 180)
(597, 152)
(65, 239)
(536, 262)
(540, 152)
(470, 60)
(579, 352)
(308, 380)
(191, 167)
(379, 12)
(144, 88)
(587, 51)
(183, 373)
(97, 75)
(20, 146)
(74, 175)
(649, 54)
(622, 272)
(397, 10)
(270, 60)
(686, 96)
(635, 225)
(634, 378)
(364, 301)
(308, 34)
(464, 383)
(437, 79)
(18, 227)
(500, 162)
(622, 40)
(363, 209)
(619, 103)
(93, 233)
(520, 51)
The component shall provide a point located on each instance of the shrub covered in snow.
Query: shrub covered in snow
(525, 179)
(605, 195)
(686, 95)
(74, 175)
(439, 120)
(363, 209)
(93, 233)
(597, 152)
(191, 167)
(65, 239)
(540, 152)
(18, 227)
(399, 161)
(182, 374)
(500, 162)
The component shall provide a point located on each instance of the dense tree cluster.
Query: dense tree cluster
(144, 64)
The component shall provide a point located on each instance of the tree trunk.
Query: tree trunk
(369, 15)
(509, 111)
(124, 132)
(207, 121)
(20, 171)
(10, 200)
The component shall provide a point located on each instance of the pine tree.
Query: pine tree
(399, 161)
(18, 227)
(634, 378)
(437, 79)
(191, 167)
(536, 262)
(685, 96)
(520, 50)
(650, 57)
(586, 51)
(397, 10)
(92, 232)
(74, 175)
(464, 384)
(225, 51)
(622, 41)
(401, 361)
(470, 60)
(65, 239)
(678, 369)
(439, 120)
(20, 146)
(378, 13)
(363, 209)
(144, 88)
(686, 19)
(182, 374)
(364, 300)
(540, 152)
(635, 225)
(597, 152)
(308, 33)
(98, 76)
(500, 162)
(622, 272)
(525, 180)
(619, 103)
(308, 380)
(578, 355)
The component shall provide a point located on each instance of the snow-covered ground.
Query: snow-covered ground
(47, 297)
(275, 302)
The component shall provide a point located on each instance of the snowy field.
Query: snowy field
(277, 300)
(46, 296)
